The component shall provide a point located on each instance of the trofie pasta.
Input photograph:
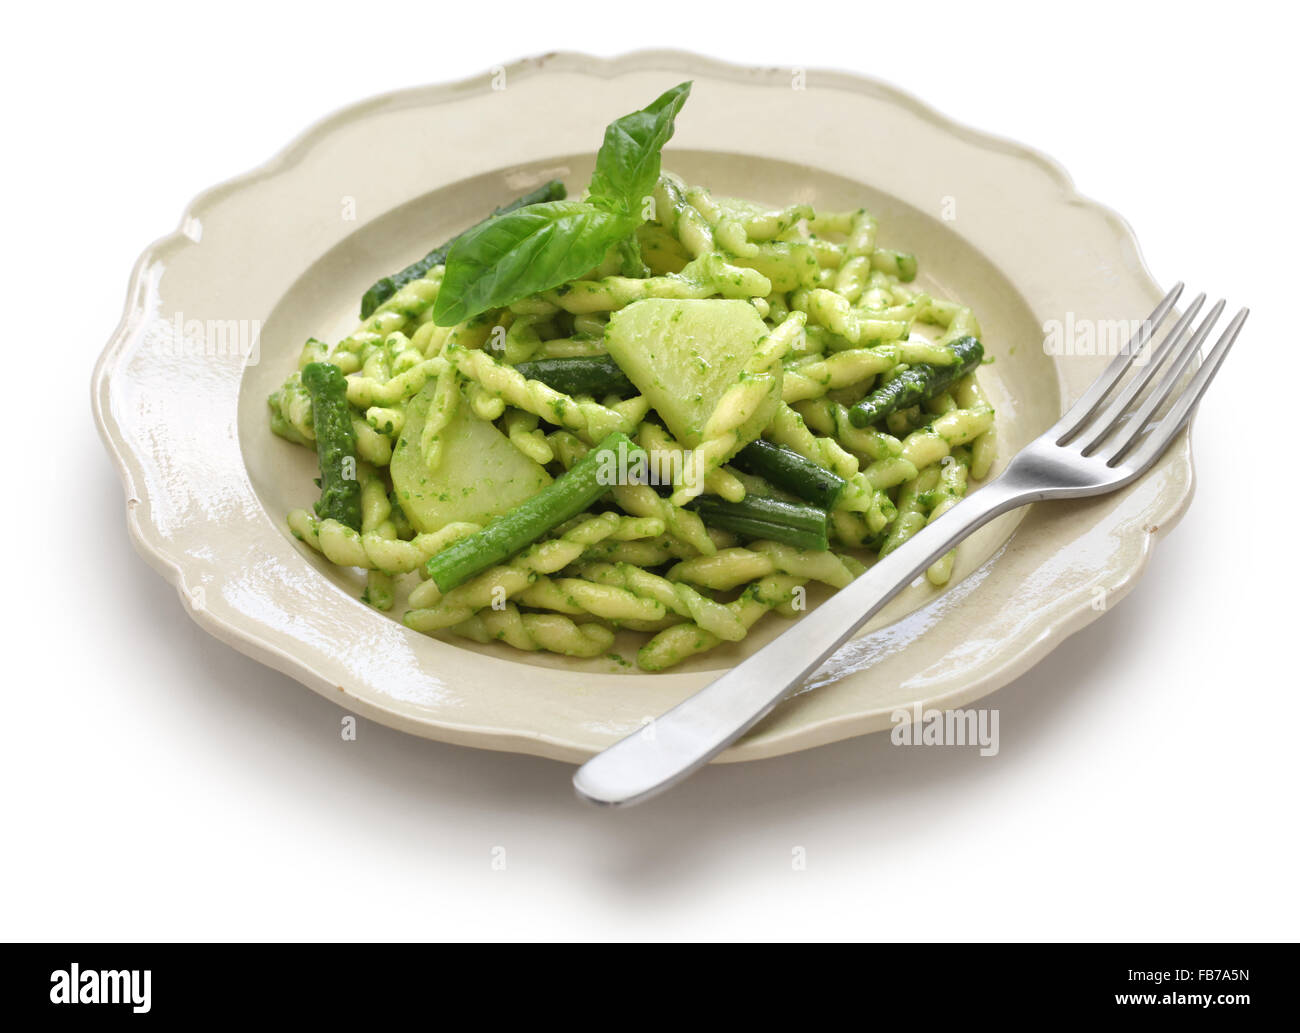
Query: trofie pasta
(652, 409)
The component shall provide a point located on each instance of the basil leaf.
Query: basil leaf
(522, 252)
(543, 245)
(627, 165)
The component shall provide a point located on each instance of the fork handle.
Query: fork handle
(697, 729)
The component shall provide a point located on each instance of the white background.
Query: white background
(158, 784)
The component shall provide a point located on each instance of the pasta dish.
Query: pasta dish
(650, 409)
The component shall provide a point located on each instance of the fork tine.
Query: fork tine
(1074, 418)
(1164, 389)
(1103, 424)
(1155, 443)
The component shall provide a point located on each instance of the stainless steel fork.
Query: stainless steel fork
(1108, 438)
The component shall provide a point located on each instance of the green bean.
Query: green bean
(576, 490)
(336, 444)
(792, 523)
(787, 469)
(594, 375)
(917, 384)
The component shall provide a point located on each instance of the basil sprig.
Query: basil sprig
(627, 165)
(529, 250)
(543, 245)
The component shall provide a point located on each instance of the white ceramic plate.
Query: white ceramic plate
(286, 251)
